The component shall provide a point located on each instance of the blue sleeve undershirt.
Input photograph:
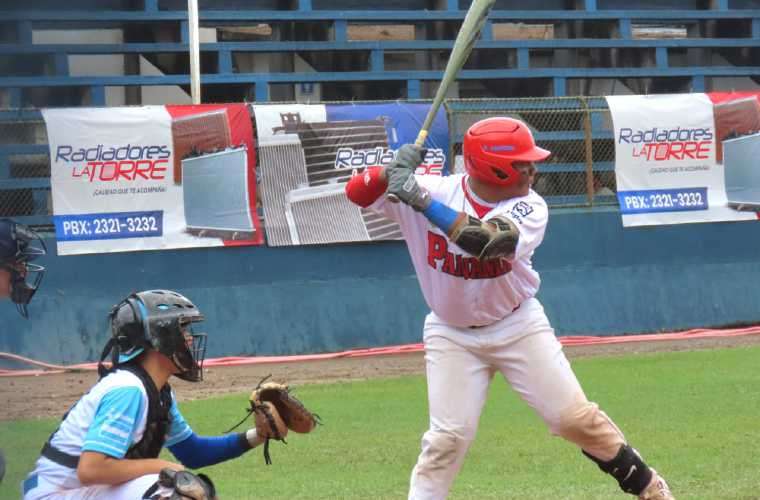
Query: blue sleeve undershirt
(196, 451)
(441, 215)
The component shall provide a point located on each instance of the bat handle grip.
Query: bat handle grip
(421, 137)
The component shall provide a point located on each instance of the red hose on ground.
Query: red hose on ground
(580, 340)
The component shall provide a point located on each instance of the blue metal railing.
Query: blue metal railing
(261, 81)
(335, 21)
(423, 15)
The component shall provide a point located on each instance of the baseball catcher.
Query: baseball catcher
(276, 411)
(108, 445)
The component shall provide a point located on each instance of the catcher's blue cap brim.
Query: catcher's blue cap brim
(123, 358)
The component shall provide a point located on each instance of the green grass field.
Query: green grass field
(694, 415)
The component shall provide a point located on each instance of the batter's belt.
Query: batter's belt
(475, 327)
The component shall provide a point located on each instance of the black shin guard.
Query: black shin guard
(631, 473)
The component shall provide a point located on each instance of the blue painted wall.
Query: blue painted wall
(598, 279)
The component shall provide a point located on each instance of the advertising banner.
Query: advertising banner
(687, 157)
(308, 152)
(152, 177)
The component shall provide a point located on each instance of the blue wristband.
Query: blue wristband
(441, 215)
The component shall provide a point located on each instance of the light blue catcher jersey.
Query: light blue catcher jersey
(109, 419)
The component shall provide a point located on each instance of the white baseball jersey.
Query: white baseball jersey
(109, 419)
(460, 289)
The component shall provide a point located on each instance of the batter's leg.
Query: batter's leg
(536, 367)
(530, 357)
(457, 387)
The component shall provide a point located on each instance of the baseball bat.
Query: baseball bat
(466, 38)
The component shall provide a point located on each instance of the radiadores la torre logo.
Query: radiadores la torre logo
(115, 163)
(350, 158)
(667, 144)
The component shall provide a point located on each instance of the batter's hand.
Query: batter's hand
(403, 186)
(408, 158)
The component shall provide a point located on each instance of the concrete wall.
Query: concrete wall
(598, 279)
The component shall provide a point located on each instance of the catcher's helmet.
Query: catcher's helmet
(492, 145)
(19, 245)
(160, 320)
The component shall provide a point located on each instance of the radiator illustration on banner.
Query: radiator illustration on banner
(215, 194)
(307, 153)
(303, 190)
(199, 133)
(741, 160)
(735, 118)
(737, 131)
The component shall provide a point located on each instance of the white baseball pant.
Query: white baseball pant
(460, 363)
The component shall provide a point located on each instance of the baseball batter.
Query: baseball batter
(108, 444)
(471, 238)
(19, 277)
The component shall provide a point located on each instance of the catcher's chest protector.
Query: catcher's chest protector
(156, 426)
(158, 420)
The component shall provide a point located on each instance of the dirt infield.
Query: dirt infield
(51, 395)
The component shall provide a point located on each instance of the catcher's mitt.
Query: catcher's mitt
(293, 412)
(276, 410)
(269, 425)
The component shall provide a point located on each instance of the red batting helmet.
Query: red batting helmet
(492, 145)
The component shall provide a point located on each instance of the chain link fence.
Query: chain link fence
(577, 130)
(25, 168)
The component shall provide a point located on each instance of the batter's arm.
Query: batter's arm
(364, 189)
(494, 238)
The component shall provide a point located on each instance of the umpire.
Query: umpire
(19, 277)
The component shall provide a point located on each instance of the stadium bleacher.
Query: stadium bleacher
(127, 52)
(342, 49)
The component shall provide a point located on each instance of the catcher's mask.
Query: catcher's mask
(160, 320)
(19, 245)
